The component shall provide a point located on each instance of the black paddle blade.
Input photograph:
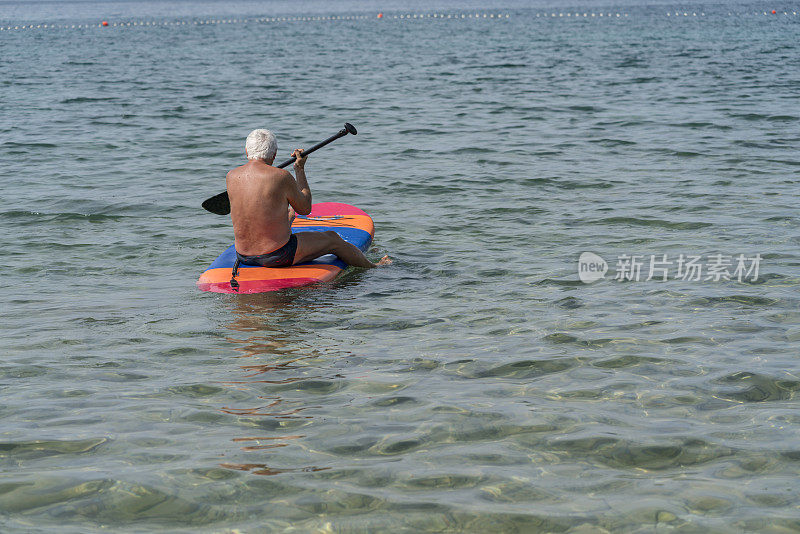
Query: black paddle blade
(218, 204)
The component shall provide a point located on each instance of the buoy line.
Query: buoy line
(566, 15)
(686, 14)
(262, 20)
(587, 14)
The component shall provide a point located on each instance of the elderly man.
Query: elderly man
(264, 200)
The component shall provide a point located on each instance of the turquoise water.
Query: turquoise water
(477, 384)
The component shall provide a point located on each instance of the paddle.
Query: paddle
(221, 204)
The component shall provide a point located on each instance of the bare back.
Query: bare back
(259, 207)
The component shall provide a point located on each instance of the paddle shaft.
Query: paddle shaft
(314, 148)
(221, 205)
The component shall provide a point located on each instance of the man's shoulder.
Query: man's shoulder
(237, 170)
(276, 171)
(277, 174)
(258, 170)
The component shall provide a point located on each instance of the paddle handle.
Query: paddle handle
(221, 205)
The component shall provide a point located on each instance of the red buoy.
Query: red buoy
(105, 23)
(773, 11)
(380, 15)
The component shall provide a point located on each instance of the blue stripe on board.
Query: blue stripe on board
(356, 236)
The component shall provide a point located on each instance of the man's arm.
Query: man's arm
(298, 193)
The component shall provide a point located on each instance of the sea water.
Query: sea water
(477, 384)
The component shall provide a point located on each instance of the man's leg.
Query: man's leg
(312, 245)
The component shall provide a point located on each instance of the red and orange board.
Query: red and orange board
(353, 224)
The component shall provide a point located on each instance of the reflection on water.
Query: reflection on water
(264, 469)
(268, 446)
(266, 319)
(259, 410)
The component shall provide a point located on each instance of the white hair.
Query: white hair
(261, 144)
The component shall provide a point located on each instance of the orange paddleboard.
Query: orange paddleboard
(351, 223)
